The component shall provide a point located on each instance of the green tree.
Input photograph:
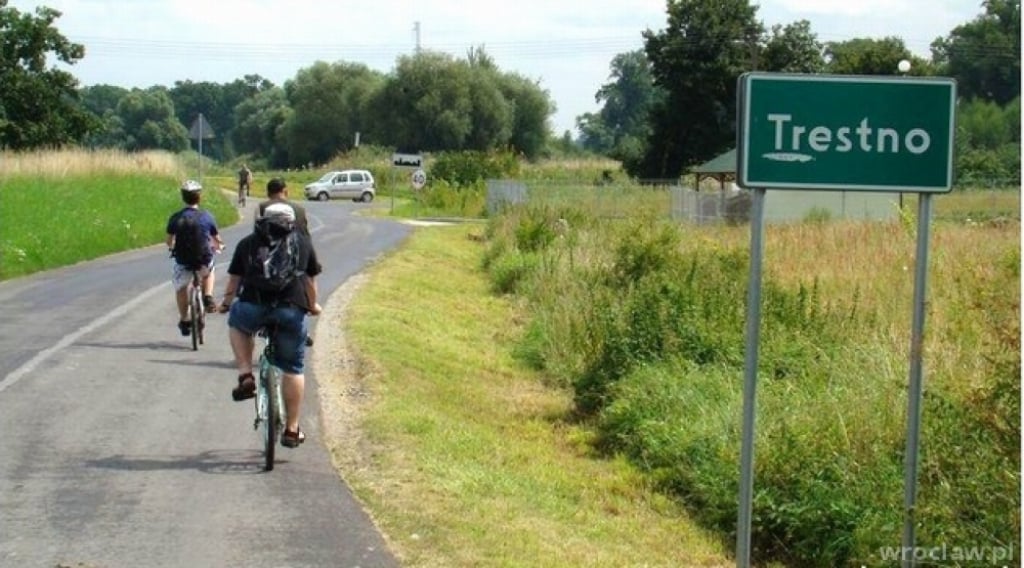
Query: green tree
(988, 143)
(149, 121)
(258, 121)
(491, 114)
(867, 56)
(695, 60)
(102, 101)
(792, 48)
(533, 106)
(425, 104)
(620, 129)
(38, 105)
(329, 103)
(983, 55)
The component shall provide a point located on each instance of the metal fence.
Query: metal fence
(684, 204)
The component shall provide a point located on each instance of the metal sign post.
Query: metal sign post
(753, 339)
(916, 387)
(200, 130)
(841, 133)
(401, 161)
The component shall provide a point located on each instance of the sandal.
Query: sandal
(291, 439)
(246, 388)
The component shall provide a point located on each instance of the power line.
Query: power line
(563, 48)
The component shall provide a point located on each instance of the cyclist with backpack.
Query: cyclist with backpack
(272, 273)
(277, 192)
(192, 238)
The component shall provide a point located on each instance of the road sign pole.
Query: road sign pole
(914, 391)
(750, 379)
(200, 180)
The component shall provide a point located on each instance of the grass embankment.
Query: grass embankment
(642, 321)
(474, 461)
(59, 208)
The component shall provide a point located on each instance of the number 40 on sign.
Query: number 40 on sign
(419, 179)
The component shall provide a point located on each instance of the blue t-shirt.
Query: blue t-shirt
(207, 226)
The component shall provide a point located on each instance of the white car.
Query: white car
(357, 185)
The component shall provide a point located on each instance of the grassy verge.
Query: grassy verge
(643, 321)
(472, 460)
(55, 212)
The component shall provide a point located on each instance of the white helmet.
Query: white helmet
(191, 185)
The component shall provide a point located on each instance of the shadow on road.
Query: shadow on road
(218, 364)
(230, 462)
(153, 345)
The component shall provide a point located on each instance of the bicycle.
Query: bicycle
(271, 412)
(270, 409)
(243, 192)
(196, 310)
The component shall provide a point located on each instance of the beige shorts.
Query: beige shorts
(182, 276)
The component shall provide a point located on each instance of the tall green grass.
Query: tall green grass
(52, 221)
(643, 322)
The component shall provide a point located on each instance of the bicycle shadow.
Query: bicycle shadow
(219, 462)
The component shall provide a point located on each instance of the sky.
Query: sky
(564, 45)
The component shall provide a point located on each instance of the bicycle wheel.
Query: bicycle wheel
(195, 304)
(270, 425)
(201, 324)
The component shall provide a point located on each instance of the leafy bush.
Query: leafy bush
(444, 198)
(510, 270)
(468, 167)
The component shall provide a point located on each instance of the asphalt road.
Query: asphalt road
(120, 446)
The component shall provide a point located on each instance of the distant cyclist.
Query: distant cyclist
(192, 238)
(244, 183)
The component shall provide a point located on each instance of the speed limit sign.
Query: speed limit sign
(419, 179)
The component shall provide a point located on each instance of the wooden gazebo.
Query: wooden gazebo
(721, 168)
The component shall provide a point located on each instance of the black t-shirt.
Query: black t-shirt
(294, 293)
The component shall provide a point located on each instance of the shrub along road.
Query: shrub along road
(122, 446)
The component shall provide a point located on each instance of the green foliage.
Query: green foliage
(695, 59)
(866, 56)
(38, 104)
(258, 121)
(620, 128)
(510, 270)
(149, 122)
(793, 49)
(330, 103)
(983, 55)
(649, 335)
(434, 102)
(469, 167)
(218, 103)
(818, 215)
(441, 198)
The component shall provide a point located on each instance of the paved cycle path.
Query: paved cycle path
(122, 447)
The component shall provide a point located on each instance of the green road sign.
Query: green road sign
(841, 132)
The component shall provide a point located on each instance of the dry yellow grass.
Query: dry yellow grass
(62, 163)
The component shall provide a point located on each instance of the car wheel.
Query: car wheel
(322, 196)
(367, 197)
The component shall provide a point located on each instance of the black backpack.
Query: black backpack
(274, 262)
(191, 244)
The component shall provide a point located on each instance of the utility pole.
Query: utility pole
(416, 28)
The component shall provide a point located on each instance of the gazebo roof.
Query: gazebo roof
(721, 164)
(721, 168)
